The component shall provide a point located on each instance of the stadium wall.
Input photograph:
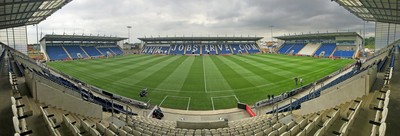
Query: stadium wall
(351, 89)
(52, 94)
(202, 125)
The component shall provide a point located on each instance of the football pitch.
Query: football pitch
(199, 82)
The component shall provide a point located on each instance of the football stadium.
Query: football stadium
(320, 84)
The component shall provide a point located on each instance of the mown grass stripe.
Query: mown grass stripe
(257, 70)
(214, 78)
(177, 78)
(234, 79)
(160, 75)
(195, 80)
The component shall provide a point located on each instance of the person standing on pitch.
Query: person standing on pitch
(301, 81)
(295, 80)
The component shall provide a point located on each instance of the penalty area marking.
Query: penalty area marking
(212, 99)
(188, 104)
(163, 100)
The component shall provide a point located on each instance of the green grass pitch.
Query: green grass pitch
(202, 82)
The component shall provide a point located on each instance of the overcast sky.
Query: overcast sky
(199, 18)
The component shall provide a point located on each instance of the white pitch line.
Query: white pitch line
(224, 96)
(212, 102)
(204, 76)
(236, 98)
(163, 100)
(188, 104)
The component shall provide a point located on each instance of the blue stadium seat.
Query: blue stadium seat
(295, 48)
(73, 51)
(224, 49)
(192, 49)
(56, 53)
(177, 49)
(251, 48)
(343, 53)
(92, 51)
(117, 50)
(297, 103)
(285, 47)
(156, 49)
(328, 48)
(148, 49)
(165, 49)
(209, 49)
(238, 48)
(104, 50)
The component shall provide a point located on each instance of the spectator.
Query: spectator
(301, 81)
(295, 80)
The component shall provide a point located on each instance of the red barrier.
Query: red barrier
(251, 113)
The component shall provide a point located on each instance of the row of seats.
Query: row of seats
(60, 52)
(263, 125)
(349, 117)
(295, 48)
(296, 104)
(57, 53)
(343, 53)
(46, 74)
(50, 121)
(74, 51)
(106, 104)
(284, 48)
(19, 115)
(202, 49)
(309, 49)
(325, 50)
(379, 122)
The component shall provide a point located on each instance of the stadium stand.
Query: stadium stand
(149, 49)
(177, 49)
(252, 48)
(92, 51)
(343, 53)
(116, 50)
(209, 49)
(284, 48)
(161, 49)
(325, 50)
(57, 53)
(235, 48)
(192, 49)
(105, 51)
(295, 48)
(74, 50)
(238, 49)
(309, 49)
(338, 120)
(224, 49)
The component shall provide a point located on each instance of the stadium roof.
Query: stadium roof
(80, 38)
(14, 13)
(317, 36)
(387, 11)
(201, 39)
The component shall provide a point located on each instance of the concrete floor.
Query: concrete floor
(34, 122)
(392, 121)
(6, 126)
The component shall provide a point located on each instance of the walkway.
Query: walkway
(392, 121)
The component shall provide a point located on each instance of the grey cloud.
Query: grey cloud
(199, 17)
